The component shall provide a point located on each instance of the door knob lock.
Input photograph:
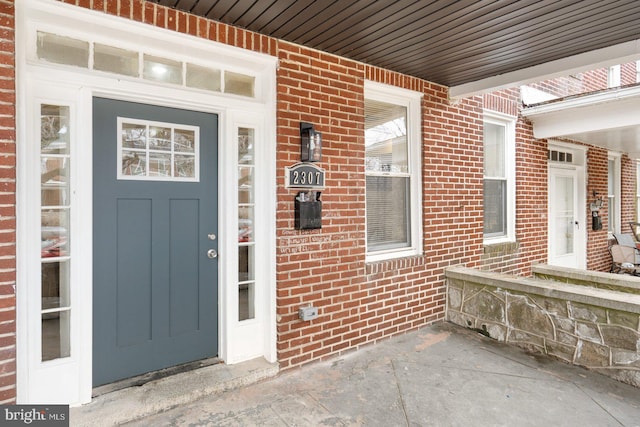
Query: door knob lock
(212, 253)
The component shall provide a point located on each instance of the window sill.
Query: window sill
(391, 264)
(392, 255)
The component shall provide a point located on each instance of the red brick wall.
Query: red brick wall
(628, 190)
(7, 205)
(588, 81)
(530, 246)
(598, 257)
(358, 302)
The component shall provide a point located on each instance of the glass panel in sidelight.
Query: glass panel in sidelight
(203, 78)
(246, 301)
(159, 138)
(134, 163)
(63, 50)
(245, 146)
(245, 224)
(239, 84)
(54, 233)
(162, 70)
(54, 177)
(245, 185)
(55, 284)
(115, 60)
(54, 129)
(56, 336)
(246, 263)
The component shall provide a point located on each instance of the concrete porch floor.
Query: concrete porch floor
(441, 375)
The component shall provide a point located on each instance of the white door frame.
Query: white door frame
(68, 380)
(577, 169)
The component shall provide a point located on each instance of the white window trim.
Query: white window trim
(509, 122)
(617, 190)
(412, 100)
(614, 76)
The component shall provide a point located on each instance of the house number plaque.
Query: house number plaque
(304, 176)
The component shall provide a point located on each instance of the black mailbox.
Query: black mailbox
(308, 210)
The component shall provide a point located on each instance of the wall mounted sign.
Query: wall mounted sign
(304, 176)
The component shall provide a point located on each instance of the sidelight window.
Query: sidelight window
(246, 217)
(55, 219)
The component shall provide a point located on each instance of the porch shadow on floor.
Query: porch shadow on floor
(132, 403)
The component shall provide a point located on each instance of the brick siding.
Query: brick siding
(358, 302)
(7, 204)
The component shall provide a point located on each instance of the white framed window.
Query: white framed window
(499, 177)
(613, 193)
(392, 172)
(613, 79)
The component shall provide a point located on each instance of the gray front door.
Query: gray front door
(154, 287)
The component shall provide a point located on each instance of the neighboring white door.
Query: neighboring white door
(566, 227)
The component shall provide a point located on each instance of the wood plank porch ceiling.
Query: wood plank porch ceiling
(447, 42)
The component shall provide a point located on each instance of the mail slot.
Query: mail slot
(308, 210)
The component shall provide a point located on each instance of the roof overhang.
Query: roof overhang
(609, 119)
(605, 57)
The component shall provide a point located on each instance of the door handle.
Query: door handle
(212, 253)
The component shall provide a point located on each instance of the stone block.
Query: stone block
(454, 298)
(620, 337)
(622, 318)
(590, 354)
(587, 312)
(495, 330)
(566, 338)
(588, 331)
(461, 319)
(625, 358)
(551, 305)
(560, 350)
(485, 306)
(520, 337)
(564, 324)
(455, 283)
(523, 315)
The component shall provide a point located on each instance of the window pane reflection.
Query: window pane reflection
(245, 146)
(55, 181)
(55, 285)
(246, 263)
(246, 298)
(56, 337)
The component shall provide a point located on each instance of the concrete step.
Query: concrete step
(156, 396)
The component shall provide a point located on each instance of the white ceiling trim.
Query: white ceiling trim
(608, 119)
(605, 57)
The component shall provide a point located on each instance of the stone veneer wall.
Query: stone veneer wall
(587, 326)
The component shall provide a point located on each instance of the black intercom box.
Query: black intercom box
(308, 211)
